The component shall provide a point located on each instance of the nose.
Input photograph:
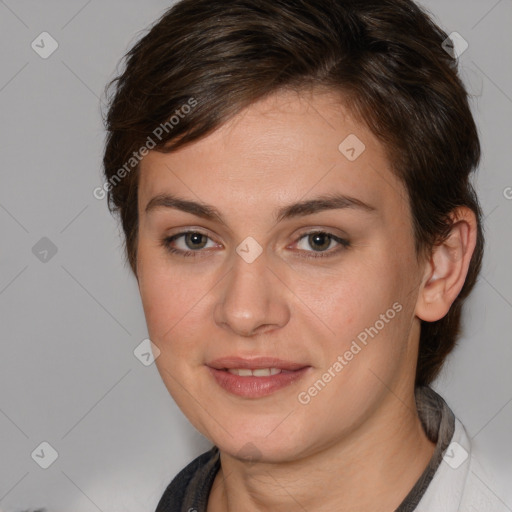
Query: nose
(252, 299)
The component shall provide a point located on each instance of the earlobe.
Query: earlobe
(447, 267)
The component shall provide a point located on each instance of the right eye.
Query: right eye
(192, 242)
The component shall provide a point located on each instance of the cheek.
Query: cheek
(168, 297)
(347, 300)
(170, 305)
(365, 315)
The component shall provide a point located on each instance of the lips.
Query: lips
(233, 362)
(255, 377)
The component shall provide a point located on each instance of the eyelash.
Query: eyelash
(344, 244)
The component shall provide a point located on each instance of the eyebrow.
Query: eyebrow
(299, 209)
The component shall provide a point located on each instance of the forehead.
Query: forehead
(285, 147)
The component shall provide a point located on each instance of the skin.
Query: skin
(358, 444)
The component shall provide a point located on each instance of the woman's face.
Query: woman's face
(321, 295)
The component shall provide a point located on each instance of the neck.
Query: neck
(373, 468)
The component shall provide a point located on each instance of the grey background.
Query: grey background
(70, 325)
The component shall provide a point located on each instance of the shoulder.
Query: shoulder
(190, 488)
(483, 491)
(464, 481)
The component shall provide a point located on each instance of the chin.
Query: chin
(265, 442)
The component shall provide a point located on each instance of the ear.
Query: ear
(447, 267)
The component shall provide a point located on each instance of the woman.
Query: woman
(292, 178)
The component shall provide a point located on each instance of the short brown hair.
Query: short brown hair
(387, 59)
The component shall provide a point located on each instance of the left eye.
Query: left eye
(321, 241)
